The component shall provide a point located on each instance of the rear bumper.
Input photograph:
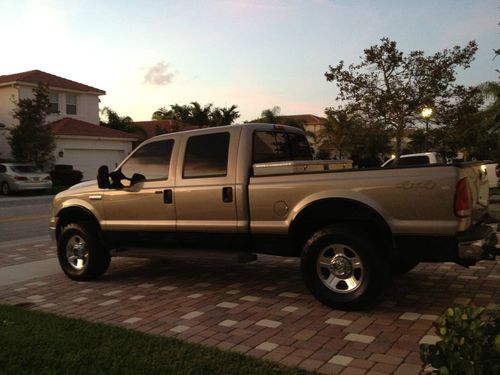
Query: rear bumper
(481, 241)
(18, 185)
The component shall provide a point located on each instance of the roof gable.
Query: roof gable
(51, 80)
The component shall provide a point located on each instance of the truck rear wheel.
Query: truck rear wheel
(342, 269)
(80, 253)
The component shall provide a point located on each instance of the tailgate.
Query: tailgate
(478, 184)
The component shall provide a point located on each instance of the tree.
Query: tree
(122, 123)
(196, 114)
(271, 115)
(224, 116)
(339, 131)
(391, 88)
(31, 141)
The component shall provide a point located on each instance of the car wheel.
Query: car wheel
(80, 253)
(342, 269)
(401, 266)
(5, 188)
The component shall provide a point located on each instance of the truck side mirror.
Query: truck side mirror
(137, 177)
(103, 177)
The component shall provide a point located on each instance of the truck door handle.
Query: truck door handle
(167, 196)
(227, 194)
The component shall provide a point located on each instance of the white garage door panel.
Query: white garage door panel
(88, 161)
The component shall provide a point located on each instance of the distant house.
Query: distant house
(74, 120)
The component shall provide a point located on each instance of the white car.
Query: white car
(423, 158)
(17, 177)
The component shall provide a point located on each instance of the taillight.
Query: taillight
(498, 172)
(20, 178)
(462, 198)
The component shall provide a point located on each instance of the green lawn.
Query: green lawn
(37, 343)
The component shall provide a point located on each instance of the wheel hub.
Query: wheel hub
(341, 266)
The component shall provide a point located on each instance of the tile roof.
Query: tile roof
(71, 126)
(37, 76)
(157, 127)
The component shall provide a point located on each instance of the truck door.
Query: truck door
(146, 206)
(205, 185)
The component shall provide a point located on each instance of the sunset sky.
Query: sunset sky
(253, 53)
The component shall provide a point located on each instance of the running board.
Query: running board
(203, 254)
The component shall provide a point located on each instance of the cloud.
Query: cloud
(159, 74)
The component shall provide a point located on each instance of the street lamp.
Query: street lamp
(426, 114)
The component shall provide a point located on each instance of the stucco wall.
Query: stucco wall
(7, 94)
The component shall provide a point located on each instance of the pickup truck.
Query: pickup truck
(254, 188)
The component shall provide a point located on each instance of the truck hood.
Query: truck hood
(84, 185)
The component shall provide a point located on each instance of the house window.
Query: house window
(54, 103)
(70, 104)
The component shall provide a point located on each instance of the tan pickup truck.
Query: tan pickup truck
(254, 188)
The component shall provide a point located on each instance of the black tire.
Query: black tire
(81, 254)
(360, 269)
(401, 266)
(5, 189)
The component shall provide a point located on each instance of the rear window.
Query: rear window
(25, 169)
(269, 146)
(414, 160)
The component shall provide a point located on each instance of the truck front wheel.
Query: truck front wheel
(341, 268)
(80, 253)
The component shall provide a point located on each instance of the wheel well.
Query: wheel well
(74, 215)
(330, 211)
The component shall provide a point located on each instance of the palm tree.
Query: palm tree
(200, 115)
(224, 116)
(339, 131)
(163, 114)
(122, 123)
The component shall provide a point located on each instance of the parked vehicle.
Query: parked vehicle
(423, 158)
(493, 173)
(17, 177)
(253, 188)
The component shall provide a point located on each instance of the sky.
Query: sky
(256, 54)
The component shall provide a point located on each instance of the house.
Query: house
(74, 121)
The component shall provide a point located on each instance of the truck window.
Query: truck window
(151, 160)
(414, 160)
(206, 156)
(269, 146)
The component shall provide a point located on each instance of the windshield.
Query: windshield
(25, 169)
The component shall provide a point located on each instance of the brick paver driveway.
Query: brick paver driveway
(261, 308)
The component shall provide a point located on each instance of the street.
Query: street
(24, 217)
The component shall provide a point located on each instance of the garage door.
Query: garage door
(88, 161)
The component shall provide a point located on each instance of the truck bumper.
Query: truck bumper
(53, 227)
(481, 241)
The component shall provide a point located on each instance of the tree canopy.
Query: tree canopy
(196, 114)
(123, 123)
(31, 141)
(390, 88)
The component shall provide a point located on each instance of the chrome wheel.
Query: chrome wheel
(340, 268)
(77, 252)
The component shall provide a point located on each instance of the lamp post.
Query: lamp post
(426, 114)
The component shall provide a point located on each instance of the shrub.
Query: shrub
(65, 175)
(470, 343)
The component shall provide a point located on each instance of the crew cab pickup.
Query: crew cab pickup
(254, 188)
